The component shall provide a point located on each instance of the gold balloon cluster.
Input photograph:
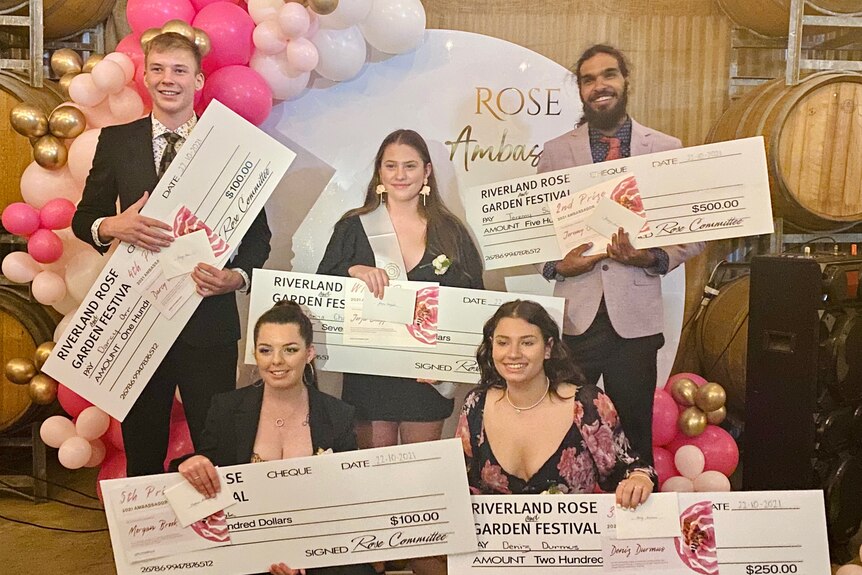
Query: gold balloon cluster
(196, 35)
(25, 371)
(705, 405)
(322, 7)
(66, 64)
(47, 132)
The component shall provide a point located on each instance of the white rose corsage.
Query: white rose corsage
(441, 264)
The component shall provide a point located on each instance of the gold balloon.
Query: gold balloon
(710, 397)
(692, 421)
(202, 41)
(29, 120)
(43, 389)
(717, 416)
(180, 27)
(683, 391)
(65, 80)
(92, 61)
(323, 7)
(20, 370)
(67, 122)
(65, 61)
(42, 353)
(148, 35)
(50, 152)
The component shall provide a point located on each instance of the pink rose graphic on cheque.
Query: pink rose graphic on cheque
(185, 222)
(424, 326)
(213, 528)
(627, 194)
(697, 547)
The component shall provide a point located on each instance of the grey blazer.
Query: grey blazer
(632, 294)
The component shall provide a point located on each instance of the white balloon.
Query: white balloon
(75, 452)
(285, 82)
(677, 483)
(690, 461)
(342, 53)
(61, 327)
(81, 271)
(395, 26)
(346, 14)
(20, 267)
(48, 288)
(261, 10)
(67, 304)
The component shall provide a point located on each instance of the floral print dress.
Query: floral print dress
(594, 452)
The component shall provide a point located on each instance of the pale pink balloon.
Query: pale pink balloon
(263, 10)
(302, 55)
(39, 186)
(92, 423)
(125, 62)
(145, 14)
(126, 105)
(20, 218)
(108, 76)
(57, 214)
(849, 569)
(58, 333)
(74, 453)
(83, 90)
(82, 271)
(268, 37)
(294, 21)
(81, 155)
(98, 454)
(679, 484)
(313, 23)
(45, 247)
(66, 305)
(711, 481)
(20, 267)
(56, 429)
(99, 116)
(283, 80)
(48, 288)
(689, 461)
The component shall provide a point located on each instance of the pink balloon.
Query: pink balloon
(45, 246)
(72, 246)
(48, 288)
(294, 21)
(39, 186)
(20, 267)
(242, 90)
(711, 481)
(20, 219)
(81, 155)
(230, 29)
(125, 62)
(679, 484)
(71, 402)
(302, 55)
(126, 105)
(108, 76)
(74, 453)
(313, 23)
(83, 90)
(200, 4)
(114, 435)
(131, 47)
(718, 446)
(98, 455)
(92, 423)
(57, 214)
(698, 380)
(267, 37)
(664, 416)
(689, 461)
(179, 442)
(285, 82)
(113, 467)
(55, 430)
(145, 14)
(663, 463)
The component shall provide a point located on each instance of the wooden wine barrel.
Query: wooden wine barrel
(772, 17)
(722, 342)
(15, 149)
(813, 139)
(66, 17)
(24, 325)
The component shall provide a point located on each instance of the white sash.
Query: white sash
(387, 256)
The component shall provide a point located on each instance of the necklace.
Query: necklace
(279, 421)
(541, 399)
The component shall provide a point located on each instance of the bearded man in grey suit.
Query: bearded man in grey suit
(614, 319)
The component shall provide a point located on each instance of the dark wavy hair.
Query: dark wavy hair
(440, 237)
(169, 41)
(597, 49)
(289, 312)
(559, 367)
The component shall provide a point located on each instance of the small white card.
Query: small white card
(658, 517)
(397, 305)
(185, 252)
(609, 217)
(190, 506)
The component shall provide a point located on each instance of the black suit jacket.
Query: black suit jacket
(233, 418)
(124, 168)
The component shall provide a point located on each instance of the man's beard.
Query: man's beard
(610, 118)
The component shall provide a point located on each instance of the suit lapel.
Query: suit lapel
(321, 427)
(641, 140)
(579, 144)
(246, 419)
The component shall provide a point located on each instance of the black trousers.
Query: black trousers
(629, 370)
(200, 373)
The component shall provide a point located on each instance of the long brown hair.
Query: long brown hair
(439, 238)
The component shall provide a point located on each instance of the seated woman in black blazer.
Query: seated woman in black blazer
(282, 416)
